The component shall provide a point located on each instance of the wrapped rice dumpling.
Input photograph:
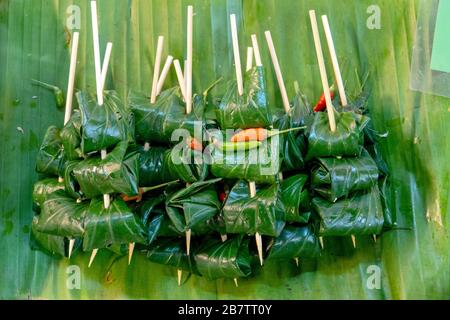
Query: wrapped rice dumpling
(249, 110)
(156, 122)
(71, 138)
(117, 173)
(50, 159)
(295, 242)
(102, 127)
(62, 216)
(230, 259)
(115, 225)
(43, 188)
(191, 208)
(263, 213)
(361, 213)
(160, 165)
(261, 165)
(171, 252)
(347, 140)
(52, 245)
(335, 178)
(296, 199)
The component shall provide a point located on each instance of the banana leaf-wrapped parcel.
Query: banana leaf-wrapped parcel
(50, 158)
(334, 178)
(249, 110)
(52, 245)
(71, 137)
(361, 213)
(296, 199)
(295, 242)
(160, 165)
(117, 173)
(62, 216)
(347, 140)
(261, 164)
(263, 213)
(156, 122)
(43, 188)
(230, 259)
(192, 207)
(115, 225)
(104, 126)
(171, 252)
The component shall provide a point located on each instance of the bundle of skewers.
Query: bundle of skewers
(208, 195)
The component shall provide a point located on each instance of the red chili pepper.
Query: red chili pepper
(222, 196)
(322, 103)
(195, 145)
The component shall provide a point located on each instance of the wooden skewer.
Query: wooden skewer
(130, 251)
(297, 262)
(258, 237)
(334, 60)
(236, 282)
(188, 78)
(180, 275)
(237, 57)
(255, 46)
(321, 242)
(323, 71)
(180, 77)
(354, 241)
(69, 99)
(164, 73)
(278, 73)
(249, 58)
(105, 65)
(374, 237)
(159, 49)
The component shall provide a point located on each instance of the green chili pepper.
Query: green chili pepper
(58, 93)
(239, 146)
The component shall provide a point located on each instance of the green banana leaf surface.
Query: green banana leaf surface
(295, 242)
(36, 45)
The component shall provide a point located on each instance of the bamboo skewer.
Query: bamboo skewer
(69, 100)
(323, 71)
(249, 58)
(334, 60)
(163, 75)
(276, 65)
(180, 77)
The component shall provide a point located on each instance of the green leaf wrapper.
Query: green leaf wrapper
(62, 216)
(117, 173)
(104, 126)
(43, 188)
(249, 110)
(230, 259)
(295, 242)
(390, 218)
(52, 245)
(262, 213)
(335, 178)
(50, 155)
(296, 199)
(115, 225)
(359, 214)
(193, 205)
(347, 140)
(160, 165)
(171, 252)
(261, 165)
(156, 122)
(71, 138)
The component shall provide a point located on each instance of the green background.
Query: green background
(414, 261)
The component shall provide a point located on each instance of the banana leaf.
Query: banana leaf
(263, 213)
(249, 110)
(42, 189)
(171, 252)
(115, 225)
(50, 155)
(386, 192)
(230, 259)
(51, 245)
(71, 139)
(359, 214)
(375, 152)
(118, 172)
(261, 165)
(62, 216)
(160, 165)
(156, 122)
(335, 178)
(296, 199)
(102, 127)
(347, 140)
(295, 242)
(193, 205)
